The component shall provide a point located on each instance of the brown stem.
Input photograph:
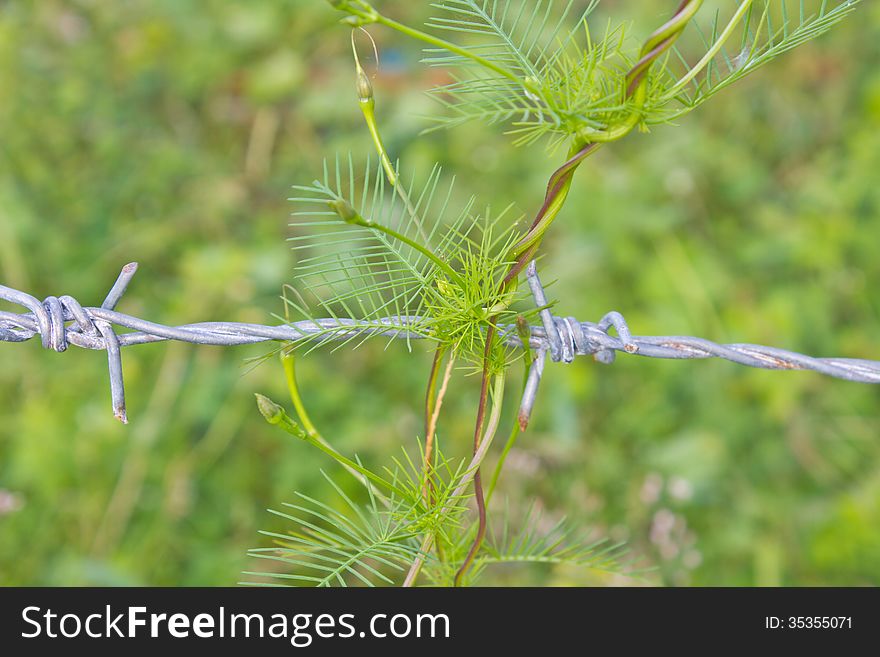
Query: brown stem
(525, 250)
(430, 395)
(435, 414)
(478, 432)
(452, 500)
(416, 566)
(431, 433)
(555, 187)
(556, 193)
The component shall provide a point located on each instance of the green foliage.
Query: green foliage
(437, 271)
(560, 77)
(540, 73)
(565, 87)
(560, 544)
(761, 33)
(374, 544)
(456, 294)
(334, 547)
(128, 133)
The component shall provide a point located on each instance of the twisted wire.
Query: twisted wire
(62, 321)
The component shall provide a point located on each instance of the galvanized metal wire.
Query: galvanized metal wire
(63, 321)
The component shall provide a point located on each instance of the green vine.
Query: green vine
(374, 244)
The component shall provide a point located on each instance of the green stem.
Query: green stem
(348, 463)
(430, 394)
(470, 474)
(367, 103)
(511, 440)
(714, 50)
(523, 331)
(368, 107)
(288, 363)
(348, 214)
(554, 199)
(367, 13)
(478, 434)
(588, 139)
(462, 52)
(425, 251)
(636, 90)
(311, 433)
(369, 113)
(481, 448)
(432, 405)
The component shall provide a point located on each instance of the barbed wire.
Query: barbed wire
(62, 321)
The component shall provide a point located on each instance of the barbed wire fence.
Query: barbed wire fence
(62, 321)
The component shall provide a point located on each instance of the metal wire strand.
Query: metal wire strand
(63, 321)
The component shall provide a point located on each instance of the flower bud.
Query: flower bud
(347, 213)
(269, 409)
(364, 86)
(523, 330)
(275, 414)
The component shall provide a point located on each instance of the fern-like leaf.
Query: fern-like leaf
(365, 546)
(370, 544)
(762, 31)
(536, 45)
(559, 544)
(437, 279)
(358, 276)
(519, 36)
(546, 78)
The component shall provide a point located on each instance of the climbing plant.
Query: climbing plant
(378, 249)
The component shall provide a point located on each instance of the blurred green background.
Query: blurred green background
(169, 133)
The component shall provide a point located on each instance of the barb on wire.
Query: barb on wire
(63, 321)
